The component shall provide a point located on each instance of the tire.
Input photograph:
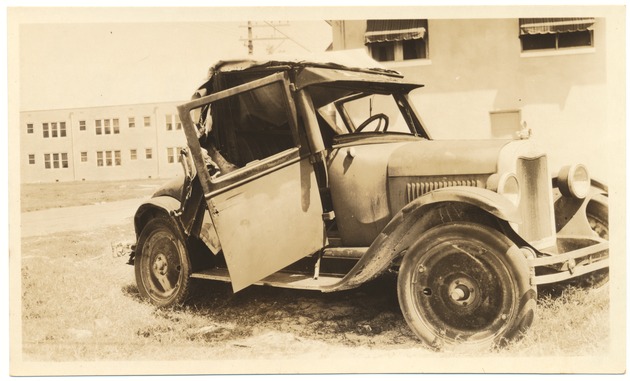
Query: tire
(162, 266)
(597, 216)
(465, 286)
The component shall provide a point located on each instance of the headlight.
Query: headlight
(507, 185)
(574, 181)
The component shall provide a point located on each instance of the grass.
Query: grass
(81, 303)
(56, 195)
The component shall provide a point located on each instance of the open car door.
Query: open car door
(268, 212)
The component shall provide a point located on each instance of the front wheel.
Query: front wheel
(465, 285)
(162, 266)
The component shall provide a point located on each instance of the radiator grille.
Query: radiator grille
(417, 189)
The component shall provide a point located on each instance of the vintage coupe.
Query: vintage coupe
(319, 175)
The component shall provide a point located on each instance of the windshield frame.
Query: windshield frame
(400, 95)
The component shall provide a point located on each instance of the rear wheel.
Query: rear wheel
(465, 285)
(162, 266)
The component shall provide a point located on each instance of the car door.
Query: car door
(268, 212)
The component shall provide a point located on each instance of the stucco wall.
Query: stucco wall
(476, 66)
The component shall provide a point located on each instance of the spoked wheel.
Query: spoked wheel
(162, 266)
(465, 285)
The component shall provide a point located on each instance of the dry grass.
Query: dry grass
(56, 195)
(81, 303)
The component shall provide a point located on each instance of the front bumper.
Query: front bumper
(560, 267)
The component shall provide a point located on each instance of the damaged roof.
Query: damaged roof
(349, 66)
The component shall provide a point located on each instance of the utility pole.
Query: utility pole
(265, 24)
(250, 41)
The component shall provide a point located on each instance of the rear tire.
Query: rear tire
(465, 286)
(162, 266)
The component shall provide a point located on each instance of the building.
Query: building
(484, 78)
(101, 143)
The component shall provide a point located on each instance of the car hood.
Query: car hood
(443, 158)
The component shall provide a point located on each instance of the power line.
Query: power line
(251, 37)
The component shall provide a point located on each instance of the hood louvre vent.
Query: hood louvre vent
(417, 189)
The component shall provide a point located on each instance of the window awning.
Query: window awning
(555, 25)
(395, 30)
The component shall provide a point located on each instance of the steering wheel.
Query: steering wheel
(383, 118)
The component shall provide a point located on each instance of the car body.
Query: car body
(321, 175)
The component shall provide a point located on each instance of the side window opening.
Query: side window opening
(247, 127)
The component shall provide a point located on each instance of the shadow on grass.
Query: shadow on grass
(354, 317)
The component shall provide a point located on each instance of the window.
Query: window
(147, 121)
(132, 122)
(397, 40)
(54, 160)
(62, 129)
(170, 154)
(555, 33)
(31, 159)
(108, 158)
(82, 125)
(45, 130)
(107, 126)
(29, 128)
(169, 122)
(53, 130)
(133, 154)
(84, 157)
(257, 124)
(148, 153)
(178, 123)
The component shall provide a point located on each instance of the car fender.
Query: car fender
(166, 204)
(401, 232)
(160, 204)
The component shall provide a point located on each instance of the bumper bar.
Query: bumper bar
(576, 262)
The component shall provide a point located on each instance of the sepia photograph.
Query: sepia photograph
(316, 190)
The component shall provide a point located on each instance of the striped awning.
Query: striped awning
(394, 30)
(555, 25)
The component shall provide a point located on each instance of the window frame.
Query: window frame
(253, 169)
(398, 47)
(557, 35)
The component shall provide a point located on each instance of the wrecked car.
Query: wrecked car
(323, 176)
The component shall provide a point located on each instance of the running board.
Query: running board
(279, 279)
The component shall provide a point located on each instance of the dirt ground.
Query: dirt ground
(80, 303)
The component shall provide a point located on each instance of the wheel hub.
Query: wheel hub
(160, 265)
(462, 291)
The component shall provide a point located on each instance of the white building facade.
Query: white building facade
(101, 143)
